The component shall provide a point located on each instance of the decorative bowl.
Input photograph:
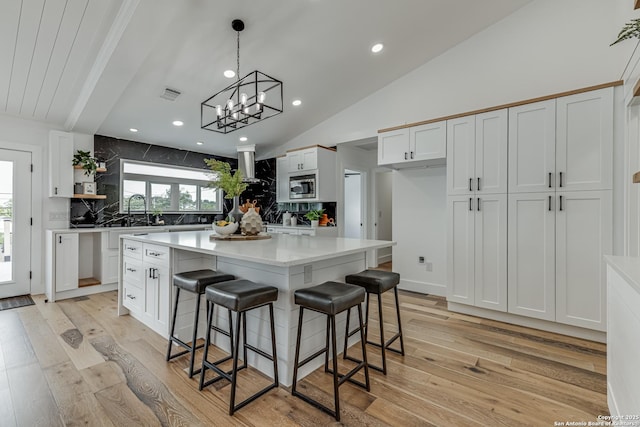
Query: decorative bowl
(226, 230)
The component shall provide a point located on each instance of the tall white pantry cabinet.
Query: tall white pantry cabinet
(557, 215)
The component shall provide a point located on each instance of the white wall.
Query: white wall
(546, 47)
(47, 212)
(419, 228)
(352, 205)
(384, 219)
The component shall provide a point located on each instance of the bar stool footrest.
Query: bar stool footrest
(183, 345)
(315, 403)
(347, 377)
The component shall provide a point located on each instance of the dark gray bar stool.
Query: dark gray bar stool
(330, 298)
(377, 282)
(194, 282)
(239, 296)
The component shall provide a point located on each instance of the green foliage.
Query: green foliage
(84, 159)
(222, 178)
(314, 214)
(631, 29)
(6, 209)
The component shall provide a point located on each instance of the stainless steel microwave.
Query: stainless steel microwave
(302, 187)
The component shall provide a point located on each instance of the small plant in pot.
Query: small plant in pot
(89, 163)
(157, 213)
(314, 216)
(231, 184)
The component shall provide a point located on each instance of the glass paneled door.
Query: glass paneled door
(15, 223)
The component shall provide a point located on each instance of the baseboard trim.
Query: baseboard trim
(423, 287)
(384, 258)
(545, 325)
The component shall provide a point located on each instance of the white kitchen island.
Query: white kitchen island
(287, 262)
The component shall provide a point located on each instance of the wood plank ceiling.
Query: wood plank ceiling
(47, 48)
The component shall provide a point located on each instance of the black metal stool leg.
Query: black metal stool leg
(207, 342)
(194, 338)
(273, 346)
(234, 372)
(395, 291)
(347, 334)
(363, 343)
(383, 347)
(336, 379)
(326, 354)
(244, 337)
(173, 323)
(297, 356)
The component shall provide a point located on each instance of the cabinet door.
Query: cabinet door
(428, 141)
(491, 252)
(162, 301)
(491, 152)
(461, 155)
(584, 149)
(532, 147)
(531, 264)
(60, 168)
(460, 248)
(295, 161)
(282, 179)
(584, 235)
(149, 297)
(309, 159)
(67, 255)
(393, 147)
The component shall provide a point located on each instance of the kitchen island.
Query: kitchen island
(288, 262)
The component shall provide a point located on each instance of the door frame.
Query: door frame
(37, 235)
(363, 187)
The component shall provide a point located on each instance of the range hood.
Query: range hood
(247, 163)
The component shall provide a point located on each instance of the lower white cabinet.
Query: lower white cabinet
(477, 251)
(146, 285)
(66, 261)
(556, 247)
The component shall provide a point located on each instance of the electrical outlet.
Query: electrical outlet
(420, 260)
(429, 266)
(58, 216)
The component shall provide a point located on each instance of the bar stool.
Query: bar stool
(239, 296)
(377, 282)
(194, 282)
(330, 298)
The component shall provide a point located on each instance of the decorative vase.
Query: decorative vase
(324, 220)
(314, 222)
(251, 223)
(236, 213)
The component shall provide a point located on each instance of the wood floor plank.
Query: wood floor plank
(394, 415)
(46, 346)
(33, 401)
(7, 414)
(124, 408)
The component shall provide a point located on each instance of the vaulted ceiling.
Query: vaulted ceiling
(100, 66)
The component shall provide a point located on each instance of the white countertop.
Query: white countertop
(299, 226)
(628, 267)
(155, 228)
(280, 250)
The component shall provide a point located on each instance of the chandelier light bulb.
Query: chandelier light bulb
(243, 98)
(235, 115)
(261, 97)
(246, 110)
(230, 104)
(258, 107)
(219, 110)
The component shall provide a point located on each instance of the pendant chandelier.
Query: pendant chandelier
(250, 99)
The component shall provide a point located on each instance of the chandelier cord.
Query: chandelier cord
(238, 59)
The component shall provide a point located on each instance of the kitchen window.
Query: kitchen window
(171, 189)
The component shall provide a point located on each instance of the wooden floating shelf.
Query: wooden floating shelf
(637, 4)
(636, 178)
(97, 170)
(89, 196)
(89, 281)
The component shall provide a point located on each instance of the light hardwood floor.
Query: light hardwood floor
(75, 362)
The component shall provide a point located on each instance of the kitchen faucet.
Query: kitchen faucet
(144, 202)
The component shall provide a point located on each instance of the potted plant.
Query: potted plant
(89, 163)
(157, 213)
(231, 184)
(314, 216)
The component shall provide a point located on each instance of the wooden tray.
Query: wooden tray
(236, 237)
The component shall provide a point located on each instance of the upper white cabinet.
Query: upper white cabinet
(403, 148)
(584, 141)
(477, 147)
(60, 169)
(303, 160)
(562, 144)
(532, 147)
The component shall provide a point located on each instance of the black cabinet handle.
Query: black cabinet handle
(549, 179)
(478, 187)
(133, 270)
(478, 207)
(560, 207)
(412, 154)
(549, 203)
(470, 199)
(560, 179)
(60, 239)
(55, 190)
(470, 181)
(406, 155)
(130, 296)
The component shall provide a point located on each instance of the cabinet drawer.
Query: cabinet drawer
(156, 254)
(132, 297)
(132, 271)
(132, 249)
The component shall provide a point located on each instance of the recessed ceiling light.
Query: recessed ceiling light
(296, 102)
(376, 48)
(243, 138)
(133, 130)
(177, 123)
(229, 74)
(199, 142)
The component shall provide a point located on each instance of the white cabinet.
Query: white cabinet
(405, 147)
(66, 261)
(562, 144)
(532, 259)
(303, 160)
(60, 169)
(584, 141)
(477, 147)
(282, 179)
(532, 147)
(583, 234)
(477, 251)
